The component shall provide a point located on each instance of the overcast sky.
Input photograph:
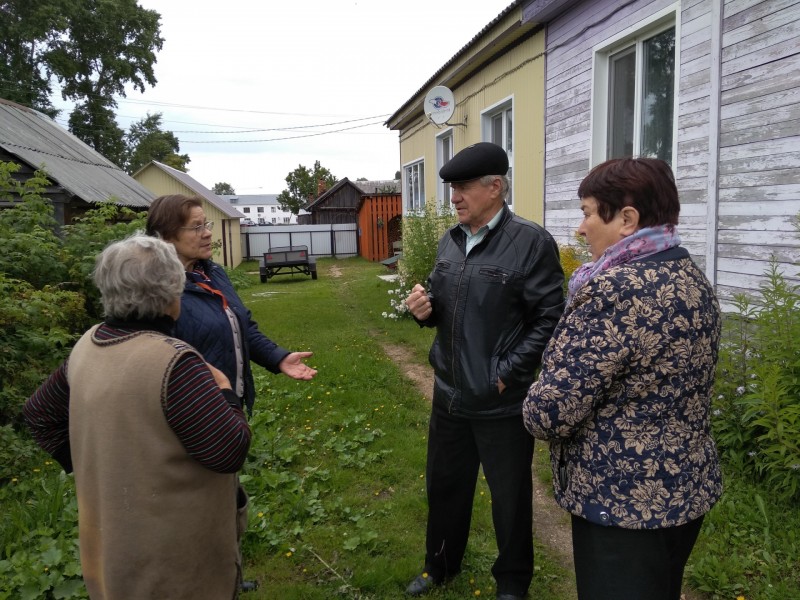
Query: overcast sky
(310, 65)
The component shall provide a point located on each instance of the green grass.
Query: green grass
(350, 520)
(335, 475)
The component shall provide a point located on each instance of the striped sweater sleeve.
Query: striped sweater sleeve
(47, 415)
(213, 430)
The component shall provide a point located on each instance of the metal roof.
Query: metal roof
(36, 139)
(198, 188)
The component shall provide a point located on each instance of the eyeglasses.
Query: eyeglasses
(198, 229)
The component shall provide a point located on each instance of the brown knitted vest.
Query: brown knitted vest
(153, 522)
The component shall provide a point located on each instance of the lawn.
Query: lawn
(336, 471)
(335, 474)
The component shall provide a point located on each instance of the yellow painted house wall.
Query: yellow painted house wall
(518, 74)
(228, 252)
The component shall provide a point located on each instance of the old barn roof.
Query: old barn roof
(36, 139)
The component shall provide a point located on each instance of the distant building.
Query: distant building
(261, 209)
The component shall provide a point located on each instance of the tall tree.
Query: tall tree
(147, 141)
(305, 185)
(25, 30)
(91, 48)
(223, 189)
(94, 122)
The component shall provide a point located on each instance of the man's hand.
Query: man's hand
(294, 367)
(418, 303)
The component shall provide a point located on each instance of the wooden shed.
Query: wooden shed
(376, 206)
(80, 177)
(336, 205)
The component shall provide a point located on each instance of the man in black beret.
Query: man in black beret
(495, 295)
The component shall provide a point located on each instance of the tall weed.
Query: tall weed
(756, 415)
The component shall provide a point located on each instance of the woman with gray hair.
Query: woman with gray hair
(154, 435)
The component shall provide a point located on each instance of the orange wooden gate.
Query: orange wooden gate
(379, 225)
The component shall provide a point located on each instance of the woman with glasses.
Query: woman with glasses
(213, 318)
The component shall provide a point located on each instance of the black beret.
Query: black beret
(483, 158)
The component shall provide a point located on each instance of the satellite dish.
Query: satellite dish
(439, 104)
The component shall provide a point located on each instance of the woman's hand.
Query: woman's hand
(294, 367)
(222, 380)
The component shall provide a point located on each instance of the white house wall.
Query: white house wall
(738, 114)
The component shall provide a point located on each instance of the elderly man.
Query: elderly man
(495, 295)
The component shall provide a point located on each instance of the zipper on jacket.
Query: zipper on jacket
(462, 267)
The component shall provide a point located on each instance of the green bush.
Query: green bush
(47, 298)
(756, 416)
(421, 234)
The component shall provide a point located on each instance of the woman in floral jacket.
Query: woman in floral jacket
(624, 391)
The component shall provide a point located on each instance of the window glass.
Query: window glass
(415, 186)
(641, 93)
(658, 91)
(622, 91)
(500, 132)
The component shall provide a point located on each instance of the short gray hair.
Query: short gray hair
(139, 277)
(487, 180)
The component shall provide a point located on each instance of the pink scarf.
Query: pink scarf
(645, 242)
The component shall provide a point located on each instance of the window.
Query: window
(272, 209)
(498, 128)
(414, 185)
(287, 220)
(260, 209)
(635, 94)
(274, 220)
(246, 210)
(444, 152)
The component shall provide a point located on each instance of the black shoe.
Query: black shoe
(421, 585)
(248, 586)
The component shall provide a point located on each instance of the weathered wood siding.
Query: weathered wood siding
(568, 88)
(759, 148)
(737, 129)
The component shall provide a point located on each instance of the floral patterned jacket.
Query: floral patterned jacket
(624, 396)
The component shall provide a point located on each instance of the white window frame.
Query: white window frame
(414, 201)
(633, 36)
(503, 108)
(444, 142)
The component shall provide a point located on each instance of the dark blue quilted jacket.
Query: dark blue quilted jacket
(203, 324)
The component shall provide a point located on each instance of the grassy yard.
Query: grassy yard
(336, 471)
(335, 475)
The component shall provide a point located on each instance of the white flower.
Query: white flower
(740, 390)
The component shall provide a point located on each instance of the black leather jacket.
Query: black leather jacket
(494, 311)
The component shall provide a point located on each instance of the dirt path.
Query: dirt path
(551, 523)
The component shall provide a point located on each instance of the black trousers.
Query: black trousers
(456, 448)
(612, 563)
